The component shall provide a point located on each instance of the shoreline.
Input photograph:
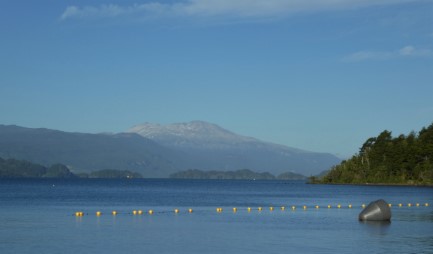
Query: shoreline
(377, 184)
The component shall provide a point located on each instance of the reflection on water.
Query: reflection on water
(417, 216)
(376, 227)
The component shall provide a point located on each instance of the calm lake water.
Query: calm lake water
(38, 216)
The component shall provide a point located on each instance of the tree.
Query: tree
(384, 159)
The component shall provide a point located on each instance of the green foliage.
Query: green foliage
(384, 159)
(12, 168)
(59, 171)
(20, 168)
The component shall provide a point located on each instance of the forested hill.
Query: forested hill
(406, 159)
(12, 168)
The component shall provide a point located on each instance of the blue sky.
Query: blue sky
(320, 75)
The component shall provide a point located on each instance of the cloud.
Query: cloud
(243, 9)
(405, 52)
(110, 11)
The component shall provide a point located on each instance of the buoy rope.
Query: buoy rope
(248, 209)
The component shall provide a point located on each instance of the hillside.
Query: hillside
(406, 159)
(12, 168)
(158, 151)
(88, 152)
(214, 148)
(242, 174)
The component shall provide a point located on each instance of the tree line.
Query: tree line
(13, 168)
(406, 159)
(242, 174)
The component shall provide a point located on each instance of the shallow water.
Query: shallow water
(37, 216)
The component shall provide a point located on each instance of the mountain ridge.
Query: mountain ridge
(84, 152)
(160, 152)
(212, 144)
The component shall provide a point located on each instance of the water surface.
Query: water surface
(37, 216)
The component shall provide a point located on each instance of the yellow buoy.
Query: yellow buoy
(400, 205)
(293, 207)
(417, 204)
(114, 212)
(134, 212)
(150, 212)
(409, 205)
(271, 208)
(390, 205)
(338, 206)
(190, 210)
(363, 205)
(235, 209)
(350, 205)
(219, 210)
(305, 207)
(98, 213)
(426, 204)
(317, 207)
(140, 212)
(283, 208)
(260, 209)
(329, 206)
(176, 210)
(78, 214)
(249, 209)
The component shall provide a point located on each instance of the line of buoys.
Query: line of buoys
(249, 209)
(79, 214)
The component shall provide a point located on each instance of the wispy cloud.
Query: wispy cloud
(405, 52)
(243, 9)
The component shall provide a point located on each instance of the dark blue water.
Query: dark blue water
(38, 216)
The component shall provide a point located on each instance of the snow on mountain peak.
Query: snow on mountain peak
(191, 132)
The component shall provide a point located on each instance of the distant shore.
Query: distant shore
(376, 184)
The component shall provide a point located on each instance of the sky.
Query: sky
(319, 75)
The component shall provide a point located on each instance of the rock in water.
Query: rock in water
(378, 210)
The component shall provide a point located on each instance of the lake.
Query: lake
(38, 216)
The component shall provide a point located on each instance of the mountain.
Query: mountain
(210, 147)
(89, 152)
(155, 150)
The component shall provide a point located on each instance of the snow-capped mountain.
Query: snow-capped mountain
(158, 151)
(210, 147)
(193, 135)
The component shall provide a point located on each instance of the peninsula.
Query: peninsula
(402, 160)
